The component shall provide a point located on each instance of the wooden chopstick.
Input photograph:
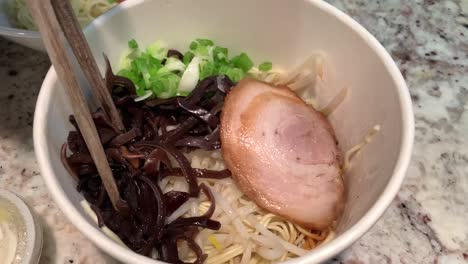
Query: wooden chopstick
(72, 31)
(56, 44)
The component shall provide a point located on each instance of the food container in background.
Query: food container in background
(31, 38)
(20, 231)
(28, 38)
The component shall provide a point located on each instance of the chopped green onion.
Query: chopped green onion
(207, 69)
(188, 56)
(205, 42)
(201, 51)
(157, 50)
(142, 66)
(242, 61)
(182, 93)
(193, 45)
(235, 74)
(165, 84)
(156, 75)
(223, 68)
(220, 54)
(174, 64)
(128, 74)
(190, 76)
(133, 44)
(125, 62)
(266, 66)
(152, 61)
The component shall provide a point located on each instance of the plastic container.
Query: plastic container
(27, 227)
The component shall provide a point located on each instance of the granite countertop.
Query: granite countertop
(427, 222)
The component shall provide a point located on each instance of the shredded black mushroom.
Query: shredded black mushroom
(175, 53)
(156, 130)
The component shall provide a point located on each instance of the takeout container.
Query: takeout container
(284, 32)
(33, 229)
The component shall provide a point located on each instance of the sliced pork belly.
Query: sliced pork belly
(282, 153)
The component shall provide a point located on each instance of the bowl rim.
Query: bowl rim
(19, 32)
(318, 255)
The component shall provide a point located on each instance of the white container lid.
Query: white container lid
(33, 237)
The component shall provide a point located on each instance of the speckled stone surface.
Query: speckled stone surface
(427, 222)
(21, 74)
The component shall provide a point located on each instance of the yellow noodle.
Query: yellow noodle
(311, 235)
(281, 228)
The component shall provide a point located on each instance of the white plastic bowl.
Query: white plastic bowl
(285, 32)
